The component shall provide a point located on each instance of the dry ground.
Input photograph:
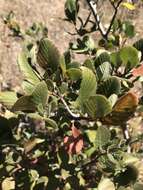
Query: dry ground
(48, 12)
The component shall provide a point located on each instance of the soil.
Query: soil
(50, 13)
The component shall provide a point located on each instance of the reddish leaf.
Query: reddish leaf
(75, 132)
(138, 71)
(74, 143)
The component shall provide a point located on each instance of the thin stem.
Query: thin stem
(92, 161)
(112, 3)
(113, 18)
(87, 20)
(68, 109)
(93, 7)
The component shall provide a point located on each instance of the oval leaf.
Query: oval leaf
(129, 57)
(26, 69)
(102, 136)
(71, 9)
(8, 98)
(123, 110)
(88, 86)
(97, 106)
(48, 56)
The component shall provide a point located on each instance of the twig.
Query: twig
(93, 7)
(68, 109)
(92, 161)
(113, 18)
(87, 20)
(112, 3)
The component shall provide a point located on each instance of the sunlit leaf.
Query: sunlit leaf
(8, 98)
(40, 93)
(129, 6)
(123, 110)
(88, 85)
(104, 71)
(97, 106)
(32, 102)
(74, 73)
(106, 184)
(48, 55)
(129, 57)
(8, 184)
(26, 69)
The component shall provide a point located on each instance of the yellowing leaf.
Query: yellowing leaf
(8, 184)
(106, 184)
(129, 6)
(122, 111)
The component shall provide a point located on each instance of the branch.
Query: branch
(68, 109)
(93, 6)
(113, 18)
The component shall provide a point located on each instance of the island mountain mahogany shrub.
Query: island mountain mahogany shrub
(72, 125)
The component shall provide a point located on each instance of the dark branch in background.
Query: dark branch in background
(93, 6)
(114, 16)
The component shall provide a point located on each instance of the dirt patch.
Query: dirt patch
(48, 12)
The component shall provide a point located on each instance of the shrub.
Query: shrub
(70, 127)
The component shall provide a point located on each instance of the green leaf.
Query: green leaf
(26, 69)
(110, 86)
(102, 136)
(91, 135)
(115, 59)
(139, 46)
(74, 73)
(63, 65)
(101, 57)
(106, 184)
(113, 99)
(48, 56)
(27, 87)
(40, 94)
(24, 103)
(104, 71)
(128, 29)
(97, 106)
(49, 122)
(89, 63)
(129, 57)
(8, 98)
(88, 86)
(33, 101)
(71, 9)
